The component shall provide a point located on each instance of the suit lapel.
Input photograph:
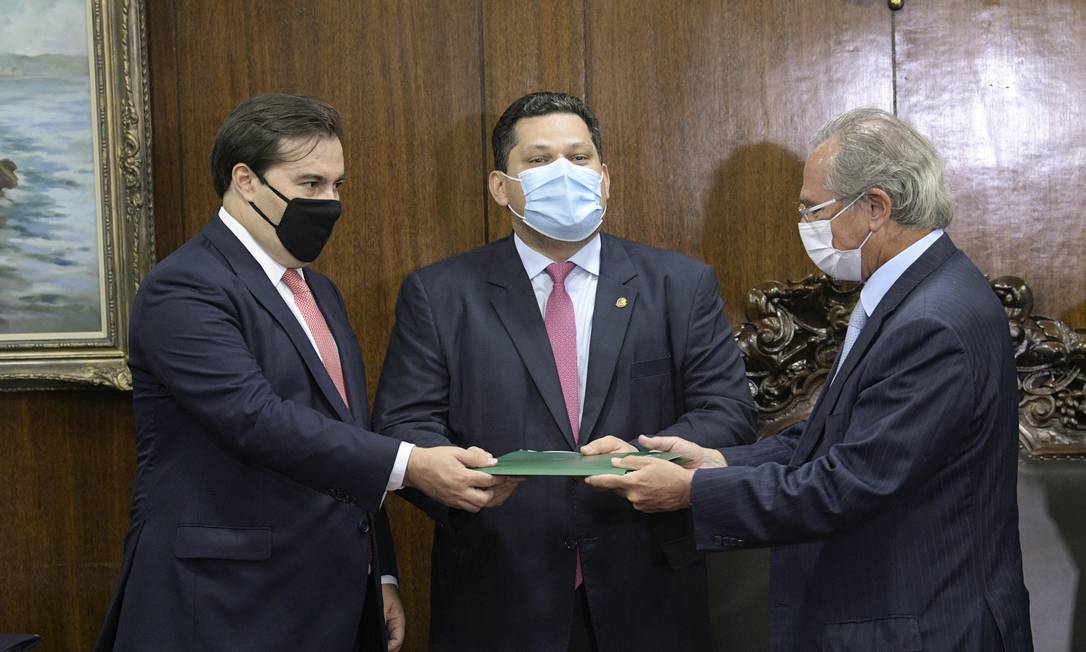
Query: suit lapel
(513, 299)
(928, 262)
(250, 273)
(610, 319)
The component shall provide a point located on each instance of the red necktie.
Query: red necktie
(326, 344)
(562, 331)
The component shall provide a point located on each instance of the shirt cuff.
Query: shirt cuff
(399, 467)
(390, 579)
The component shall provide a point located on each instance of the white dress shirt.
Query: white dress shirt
(581, 287)
(275, 271)
(883, 278)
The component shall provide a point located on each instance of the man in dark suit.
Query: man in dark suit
(545, 340)
(256, 515)
(892, 508)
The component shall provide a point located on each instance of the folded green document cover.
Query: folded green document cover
(564, 463)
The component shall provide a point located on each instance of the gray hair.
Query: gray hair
(879, 150)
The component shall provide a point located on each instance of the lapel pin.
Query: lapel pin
(620, 302)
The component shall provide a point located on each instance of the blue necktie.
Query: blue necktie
(855, 325)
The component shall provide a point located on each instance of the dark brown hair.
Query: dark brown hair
(534, 105)
(254, 132)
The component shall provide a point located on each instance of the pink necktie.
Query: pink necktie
(326, 344)
(562, 331)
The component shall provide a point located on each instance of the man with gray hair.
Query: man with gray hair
(892, 508)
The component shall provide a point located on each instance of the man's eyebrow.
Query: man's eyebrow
(538, 147)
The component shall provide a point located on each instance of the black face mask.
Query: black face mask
(306, 224)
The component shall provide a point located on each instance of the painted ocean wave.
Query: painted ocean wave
(49, 253)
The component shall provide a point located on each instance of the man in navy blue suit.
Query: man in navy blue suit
(547, 340)
(892, 508)
(256, 517)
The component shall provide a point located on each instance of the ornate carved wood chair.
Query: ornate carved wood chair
(789, 343)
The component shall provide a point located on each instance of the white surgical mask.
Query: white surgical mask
(563, 201)
(817, 236)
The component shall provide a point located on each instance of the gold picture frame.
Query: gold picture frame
(43, 344)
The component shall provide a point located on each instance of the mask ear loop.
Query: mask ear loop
(277, 194)
(508, 205)
(841, 212)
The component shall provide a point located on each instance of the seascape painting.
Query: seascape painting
(51, 267)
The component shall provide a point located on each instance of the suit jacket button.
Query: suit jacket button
(364, 526)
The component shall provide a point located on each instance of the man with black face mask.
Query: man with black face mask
(256, 516)
(548, 340)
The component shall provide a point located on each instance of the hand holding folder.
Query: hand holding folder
(566, 463)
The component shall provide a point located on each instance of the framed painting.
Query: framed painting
(76, 233)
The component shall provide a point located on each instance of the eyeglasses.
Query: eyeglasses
(806, 213)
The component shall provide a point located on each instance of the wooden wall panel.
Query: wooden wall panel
(166, 134)
(66, 467)
(706, 108)
(528, 46)
(1003, 97)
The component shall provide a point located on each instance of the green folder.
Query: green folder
(564, 463)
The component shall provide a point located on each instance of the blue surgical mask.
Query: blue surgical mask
(563, 201)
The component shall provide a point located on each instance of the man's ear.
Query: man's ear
(496, 183)
(880, 205)
(244, 181)
(606, 188)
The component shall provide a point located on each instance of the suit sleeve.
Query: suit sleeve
(188, 336)
(910, 415)
(412, 401)
(778, 448)
(719, 410)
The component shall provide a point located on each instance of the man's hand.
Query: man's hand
(653, 485)
(696, 457)
(608, 445)
(503, 489)
(442, 474)
(395, 621)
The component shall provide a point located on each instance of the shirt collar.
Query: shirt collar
(587, 257)
(273, 269)
(883, 278)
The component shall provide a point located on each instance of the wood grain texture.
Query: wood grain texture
(528, 46)
(1002, 96)
(67, 469)
(166, 127)
(706, 109)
